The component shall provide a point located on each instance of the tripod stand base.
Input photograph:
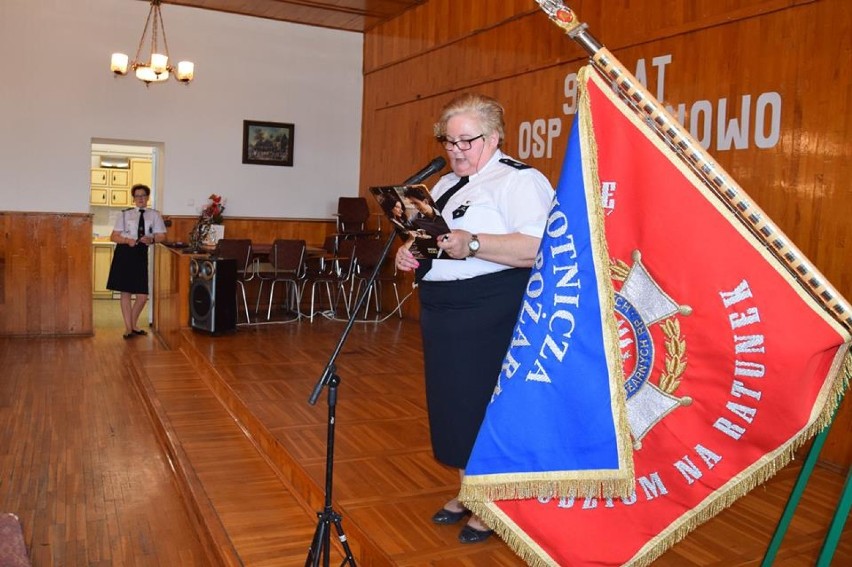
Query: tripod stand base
(321, 544)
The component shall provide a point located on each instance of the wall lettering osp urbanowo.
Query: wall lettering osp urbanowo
(721, 124)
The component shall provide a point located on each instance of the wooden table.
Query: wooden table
(262, 250)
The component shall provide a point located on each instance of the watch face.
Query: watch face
(473, 245)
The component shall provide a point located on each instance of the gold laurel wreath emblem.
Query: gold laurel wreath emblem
(675, 362)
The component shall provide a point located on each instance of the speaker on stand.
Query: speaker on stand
(213, 295)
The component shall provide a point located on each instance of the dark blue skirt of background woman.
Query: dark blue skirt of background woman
(129, 269)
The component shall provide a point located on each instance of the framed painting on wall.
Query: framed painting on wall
(268, 143)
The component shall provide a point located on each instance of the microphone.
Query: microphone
(434, 167)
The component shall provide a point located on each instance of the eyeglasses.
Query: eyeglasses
(140, 196)
(462, 145)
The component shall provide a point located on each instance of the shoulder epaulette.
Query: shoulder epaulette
(516, 164)
(127, 209)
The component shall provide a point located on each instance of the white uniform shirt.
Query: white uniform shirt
(499, 199)
(127, 223)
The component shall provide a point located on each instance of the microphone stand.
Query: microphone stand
(321, 543)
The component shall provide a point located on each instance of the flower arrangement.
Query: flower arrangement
(210, 214)
(214, 209)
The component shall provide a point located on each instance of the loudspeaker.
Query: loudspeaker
(213, 295)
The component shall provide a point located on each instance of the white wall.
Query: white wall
(57, 94)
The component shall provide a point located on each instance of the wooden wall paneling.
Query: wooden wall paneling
(47, 274)
(434, 24)
(2, 271)
(725, 57)
(66, 259)
(77, 286)
(37, 257)
(46, 261)
(798, 182)
(7, 266)
(520, 46)
(527, 38)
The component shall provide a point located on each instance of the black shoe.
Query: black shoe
(139, 332)
(446, 517)
(472, 535)
(129, 335)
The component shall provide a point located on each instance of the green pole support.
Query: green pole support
(795, 496)
(833, 537)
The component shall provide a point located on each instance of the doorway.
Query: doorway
(116, 166)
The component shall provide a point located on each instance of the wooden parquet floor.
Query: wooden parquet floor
(386, 482)
(228, 465)
(79, 463)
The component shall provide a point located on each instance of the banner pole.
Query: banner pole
(829, 545)
(700, 161)
(832, 537)
(793, 499)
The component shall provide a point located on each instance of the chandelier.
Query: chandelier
(157, 68)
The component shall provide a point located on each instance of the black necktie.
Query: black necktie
(442, 201)
(141, 231)
(426, 263)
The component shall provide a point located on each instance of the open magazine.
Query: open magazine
(414, 216)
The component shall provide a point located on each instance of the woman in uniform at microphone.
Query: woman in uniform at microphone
(496, 208)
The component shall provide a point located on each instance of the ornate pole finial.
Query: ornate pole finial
(561, 14)
(564, 17)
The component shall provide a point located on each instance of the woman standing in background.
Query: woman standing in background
(135, 229)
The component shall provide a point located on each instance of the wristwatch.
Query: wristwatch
(473, 245)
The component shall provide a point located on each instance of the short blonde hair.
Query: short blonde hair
(487, 111)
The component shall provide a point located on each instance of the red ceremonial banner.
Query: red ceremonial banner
(729, 364)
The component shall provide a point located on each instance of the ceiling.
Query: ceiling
(349, 15)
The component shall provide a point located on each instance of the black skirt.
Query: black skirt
(467, 326)
(129, 269)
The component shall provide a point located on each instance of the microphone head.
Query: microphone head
(431, 169)
(439, 163)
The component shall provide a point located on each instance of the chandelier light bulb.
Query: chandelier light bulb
(159, 63)
(185, 71)
(118, 63)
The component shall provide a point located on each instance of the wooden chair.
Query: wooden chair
(353, 215)
(368, 255)
(240, 250)
(286, 266)
(334, 273)
(330, 244)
